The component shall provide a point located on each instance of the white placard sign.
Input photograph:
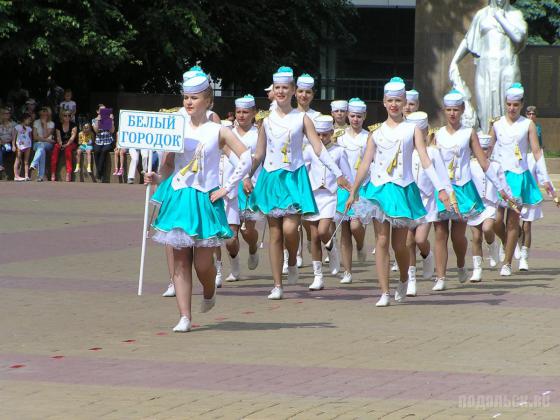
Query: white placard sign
(151, 130)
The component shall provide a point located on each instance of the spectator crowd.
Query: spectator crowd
(34, 136)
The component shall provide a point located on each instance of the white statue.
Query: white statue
(498, 33)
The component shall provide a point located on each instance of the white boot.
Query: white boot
(170, 292)
(276, 293)
(318, 279)
(477, 269)
(184, 325)
(219, 277)
(428, 266)
(502, 253)
(400, 291)
(299, 257)
(334, 260)
(411, 288)
(235, 271)
(439, 284)
(524, 260)
(493, 253)
(293, 274)
(346, 278)
(384, 300)
(506, 270)
(285, 265)
(517, 252)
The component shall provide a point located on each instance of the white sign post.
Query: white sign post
(153, 131)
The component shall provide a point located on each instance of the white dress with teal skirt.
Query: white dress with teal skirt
(456, 153)
(249, 139)
(354, 148)
(511, 149)
(187, 218)
(283, 187)
(392, 195)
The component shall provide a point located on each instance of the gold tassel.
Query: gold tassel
(285, 153)
(357, 165)
(374, 127)
(192, 166)
(338, 132)
(451, 169)
(517, 152)
(394, 162)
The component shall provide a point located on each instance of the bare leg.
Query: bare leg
(476, 241)
(398, 240)
(182, 278)
(488, 231)
(358, 232)
(291, 235)
(205, 270)
(276, 249)
(512, 230)
(411, 246)
(459, 241)
(526, 241)
(442, 236)
(232, 244)
(382, 254)
(499, 225)
(251, 235)
(316, 252)
(421, 239)
(346, 241)
(170, 260)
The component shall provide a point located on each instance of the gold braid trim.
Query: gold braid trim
(374, 127)
(261, 115)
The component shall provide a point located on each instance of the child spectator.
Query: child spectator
(6, 134)
(85, 145)
(21, 142)
(43, 141)
(103, 143)
(120, 154)
(66, 134)
(68, 104)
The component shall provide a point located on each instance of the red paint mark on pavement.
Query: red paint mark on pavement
(57, 357)
(129, 341)
(195, 325)
(95, 348)
(220, 318)
(299, 301)
(161, 333)
(16, 366)
(247, 312)
(274, 307)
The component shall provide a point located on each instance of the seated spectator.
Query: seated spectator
(103, 143)
(68, 104)
(66, 136)
(22, 142)
(134, 157)
(6, 134)
(85, 145)
(120, 154)
(531, 114)
(43, 141)
(29, 108)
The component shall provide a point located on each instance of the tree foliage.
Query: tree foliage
(543, 18)
(146, 45)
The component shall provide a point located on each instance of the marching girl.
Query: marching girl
(324, 185)
(192, 218)
(283, 191)
(246, 132)
(339, 112)
(304, 97)
(513, 136)
(412, 102)
(418, 237)
(457, 144)
(353, 141)
(391, 195)
(483, 224)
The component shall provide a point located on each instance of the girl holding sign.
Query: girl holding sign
(283, 191)
(191, 218)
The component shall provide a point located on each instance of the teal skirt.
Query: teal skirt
(187, 218)
(281, 192)
(341, 198)
(400, 206)
(244, 211)
(524, 188)
(469, 202)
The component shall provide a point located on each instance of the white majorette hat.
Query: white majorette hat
(357, 105)
(246, 102)
(323, 123)
(412, 95)
(484, 140)
(395, 88)
(453, 98)
(268, 89)
(283, 75)
(515, 92)
(192, 72)
(305, 81)
(196, 84)
(419, 118)
(227, 123)
(339, 105)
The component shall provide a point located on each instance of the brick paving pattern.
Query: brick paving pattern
(78, 343)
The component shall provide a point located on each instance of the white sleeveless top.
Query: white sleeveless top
(354, 147)
(284, 141)
(456, 153)
(319, 175)
(250, 141)
(201, 152)
(486, 190)
(422, 180)
(393, 154)
(512, 144)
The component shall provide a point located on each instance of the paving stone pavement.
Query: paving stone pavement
(77, 342)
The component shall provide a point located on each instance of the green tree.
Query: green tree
(543, 18)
